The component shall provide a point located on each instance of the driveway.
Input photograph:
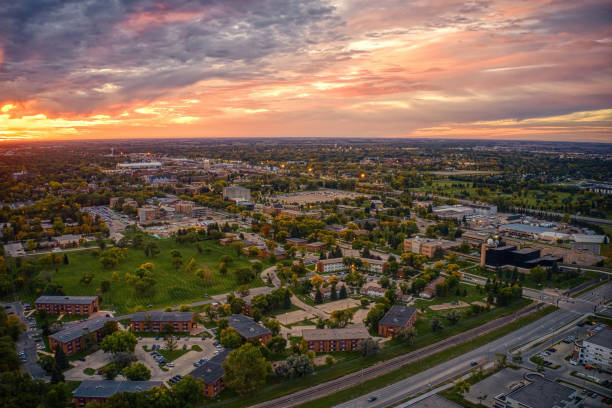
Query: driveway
(311, 309)
(95, 360)
(27, 343)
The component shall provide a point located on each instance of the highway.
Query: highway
(420, 382)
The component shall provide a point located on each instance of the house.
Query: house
(375, 265)
(68, 240)
(72, 305)
(299, 242)
(211, 374)
(15, 249)
(249, 329)
(315, 246)
(101, 390)
(72, 339)
(156, 321)
(430, 290)
(331, 265)
(373, 289)
(397, 319)
(345, 339)
(326, 291)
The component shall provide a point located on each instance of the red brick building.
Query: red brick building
(101, 390)
(74, 305)
(335, 339)
(396, 319)
(249, 329)
(73, 338)
(211, 374)
(156, 321)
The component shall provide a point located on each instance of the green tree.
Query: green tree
(137, 372)
(374, 316)
(118, 342)
(277, 344)
(453, 316)
(368, 347)
(245, 369)
(436, 325)
(61, 359)
(318, 297)
(538, 274)
(273, 325)
(230, 338)
(187, 393)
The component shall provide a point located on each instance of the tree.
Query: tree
(223, 268)
(408, 335)
(453, 316)
(368, 347)
(273, 325)
(343, 294)
(191, 265)
(105, 285)
(538, 274)
(109, 327)
(61, 359)
(277, 344)
(187, 393)
(340, 318)
(119, 341)
(374, 316)
(436, 325)
(333, 294)
(110, 371)
(318, 297)
(137, 372)
(245, 369)
(237, 246)
(170, 343)
(230, 338)
(168, 328)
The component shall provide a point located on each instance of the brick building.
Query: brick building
(396, 319)
(155, 321)
(101, 390)
(77, 305)
(249, 329)
(335, 339)
(211, 374)
(73, 338)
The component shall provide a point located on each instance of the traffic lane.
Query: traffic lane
(403, 389)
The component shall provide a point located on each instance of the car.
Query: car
(197, 364)
(170, 364)
(184, 347)
(82, 359)
(157, 338)
(107, 315)
(372, 399)
(474, 363)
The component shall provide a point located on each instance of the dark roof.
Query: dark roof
(247, 327)
(398, 316)
(212, 370)
(602, 338)
(163, 316)
(82, 300)
(435, 401)
(526, 250)
(296, 240)
(107, 388)
(541, 393)
(77, 330)
(504, 248)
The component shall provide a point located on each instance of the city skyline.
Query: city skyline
(450, 69)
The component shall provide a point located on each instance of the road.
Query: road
(27, 344)
(420, 382)
(374, 371)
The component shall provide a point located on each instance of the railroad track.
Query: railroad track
(368, 373)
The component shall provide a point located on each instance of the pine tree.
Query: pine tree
(61, 359)
(318, 297)
(343, 294)
(287, 303)
(66, 259)
(334, 294)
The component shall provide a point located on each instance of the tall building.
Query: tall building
(596, 351)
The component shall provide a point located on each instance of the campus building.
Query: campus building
(500, 254)
(596, 350)
(249, 329)
(72, 339)
(335, 339)
(428, 246)
(211, 374)
(101, 390)
(149, 213)
(539, 392)
(156, 321)
(331, 265)
(236, 193)
(73, 305)
(396, 319)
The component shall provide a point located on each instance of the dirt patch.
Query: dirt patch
(338, 305)
(293, 317)
(479, 303)
(446, 306)
(320, 360)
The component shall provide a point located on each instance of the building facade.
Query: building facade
(396, 319)
(596, 350)
(335, 339)
(72, 305)
(249, 329)
(211, 374)
(156, 321)
(101, 390)
(77, 336)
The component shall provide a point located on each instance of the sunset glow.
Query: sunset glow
(451, 69)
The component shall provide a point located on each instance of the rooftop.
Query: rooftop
(533, 229)
(77, 330)
(212, 370)
(107, 388)
(601, 338)
(162, 316)
(247, 327)
(398, 316)
(541, 393)
(80, 300)
(349, 333)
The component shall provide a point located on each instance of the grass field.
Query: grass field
(529, 282)
(172, 287)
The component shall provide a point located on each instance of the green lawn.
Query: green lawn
(529, 282)
(172, 286)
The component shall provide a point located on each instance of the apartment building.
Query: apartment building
(156, 321)
(596, 350)
(211, 374)
(249, 329)
(73, 305)
(331, 265)
(397, 319)
(101, 390)
(345, 339)
(72, 339)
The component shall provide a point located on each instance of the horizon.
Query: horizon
(315, 69)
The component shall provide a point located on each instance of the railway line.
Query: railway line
(371, 372)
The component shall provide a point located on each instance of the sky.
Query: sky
(84, 69)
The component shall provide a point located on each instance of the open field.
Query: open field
(172, 286)
(338, 305)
